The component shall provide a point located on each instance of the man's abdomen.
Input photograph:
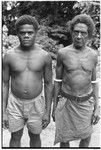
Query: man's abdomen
(77, 84)
(27, 87)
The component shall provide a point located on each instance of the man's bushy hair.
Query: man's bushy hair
(26, 19)
(86, 19)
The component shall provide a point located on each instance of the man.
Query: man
(75, 107)
(26, 66)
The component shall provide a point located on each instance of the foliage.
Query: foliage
(9, 42)
(45, 42)
(53, 17)
(47, 12)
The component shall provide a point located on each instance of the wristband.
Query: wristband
(96, 81)
(58, 80)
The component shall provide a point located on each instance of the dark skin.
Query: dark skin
(76, 66)
(27, 66)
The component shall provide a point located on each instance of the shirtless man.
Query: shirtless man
(75, 107)
(27, 67)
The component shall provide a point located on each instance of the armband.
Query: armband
(96, 81)
(58, 80)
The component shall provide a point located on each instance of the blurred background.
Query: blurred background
(53, 17)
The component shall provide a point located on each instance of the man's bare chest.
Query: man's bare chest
(21, 64)
(79, 61)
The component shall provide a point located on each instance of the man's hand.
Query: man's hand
(95, 116)
(5, 124)
(45, 120)
(53, 114)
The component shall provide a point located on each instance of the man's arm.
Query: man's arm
(5, 92)
(96, 91)
(95, 88)
(57, 83)
(48, 89)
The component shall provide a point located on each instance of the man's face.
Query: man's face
(27, 35)
(80, 35)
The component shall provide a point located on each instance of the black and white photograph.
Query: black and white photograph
(50, 74)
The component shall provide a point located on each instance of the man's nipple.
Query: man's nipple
(26, 69)
(25, 92)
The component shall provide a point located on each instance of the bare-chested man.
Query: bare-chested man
(75, 107)
(27, 67)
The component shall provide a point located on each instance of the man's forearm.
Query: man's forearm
(48, 90)
(96, 88)
(57, 86)
(5, 96)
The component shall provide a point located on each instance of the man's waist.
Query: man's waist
(25, 96)
(23, 100)
(77, 98)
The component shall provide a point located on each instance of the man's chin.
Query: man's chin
(26, 47)
(78, 46)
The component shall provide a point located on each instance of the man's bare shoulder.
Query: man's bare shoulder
(8, 54)
(46, 56)
(40, 50)
(11, 55)
(92, 52)
(7, 57)
(64, 51)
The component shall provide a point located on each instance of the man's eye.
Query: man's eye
(84, 33)
(76, 32)
(30, 33)
(22, 33)
(80, 32)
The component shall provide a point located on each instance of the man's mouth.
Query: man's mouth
(26, 41)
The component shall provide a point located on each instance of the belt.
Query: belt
(76, 98)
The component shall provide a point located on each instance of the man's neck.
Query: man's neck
(80, 49)
(27, 49)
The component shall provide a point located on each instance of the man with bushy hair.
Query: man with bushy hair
(25, 68)
(75, 107)
(86, 19)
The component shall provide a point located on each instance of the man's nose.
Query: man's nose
(26, 34)
(79, 35)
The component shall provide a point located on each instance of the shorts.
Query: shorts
(29, 112)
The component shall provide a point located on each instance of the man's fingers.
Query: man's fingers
(5, 125)
(95, 119)
(53, 118)
(45, 124)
